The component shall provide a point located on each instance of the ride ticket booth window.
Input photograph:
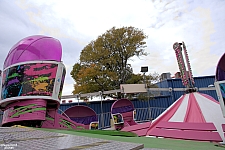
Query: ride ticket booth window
(117, 118)
(94, 126)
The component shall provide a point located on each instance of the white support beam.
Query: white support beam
(179, 89)
(119, 90)
(207, 89)
(159, 89)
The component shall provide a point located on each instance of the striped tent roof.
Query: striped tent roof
(193, 108)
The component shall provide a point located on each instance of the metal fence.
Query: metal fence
(142, 115)
(104, 120)
(1, 115)
(146, 114)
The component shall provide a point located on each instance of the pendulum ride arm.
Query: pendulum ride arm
(188, 65)
(180, 60)
(181, 64)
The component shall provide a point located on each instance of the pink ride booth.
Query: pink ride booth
(32, 83)
(83, 115)
(123, 112)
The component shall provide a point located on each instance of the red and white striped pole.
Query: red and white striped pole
(188, 64)
(177, 48)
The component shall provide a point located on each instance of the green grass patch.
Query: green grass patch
(108, 132)
(168, 144)
(100, 132)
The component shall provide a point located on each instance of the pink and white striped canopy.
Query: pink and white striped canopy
(193, 108)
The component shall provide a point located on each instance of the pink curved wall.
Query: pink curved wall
(79, 111)
(25, 110)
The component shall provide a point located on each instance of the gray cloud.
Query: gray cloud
(198, 23)
(14, 26)
(19, 24)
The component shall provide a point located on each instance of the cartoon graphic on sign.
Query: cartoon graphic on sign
(29, 79)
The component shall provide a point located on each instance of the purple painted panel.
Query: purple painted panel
(80, 111)
(33, 48)
(25, 110)
(85, 120)
(220, 70)
(81, 114)
(122, 105)
(122, 109)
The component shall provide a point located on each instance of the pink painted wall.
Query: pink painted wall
(25, 110)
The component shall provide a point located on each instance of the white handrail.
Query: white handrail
(64, 114)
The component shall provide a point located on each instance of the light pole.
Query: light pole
(78, 97)
(144, 70)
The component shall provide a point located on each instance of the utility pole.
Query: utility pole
(102, 117)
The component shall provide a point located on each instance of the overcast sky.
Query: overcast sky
(200, 24)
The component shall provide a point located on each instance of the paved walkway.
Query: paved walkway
(27, 138)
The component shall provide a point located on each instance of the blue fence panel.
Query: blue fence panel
(142, 114)
(177, 83)
(96, 106)
(1, 115)
(211, 93)
(104, 120)
(155, 112)
(204, 81)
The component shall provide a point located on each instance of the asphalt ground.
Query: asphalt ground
(20, 138)
(149, 142)
(41, 139)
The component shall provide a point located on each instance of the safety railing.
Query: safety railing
(1, 116)
(104, 120)
(148, 114)
(142, 115)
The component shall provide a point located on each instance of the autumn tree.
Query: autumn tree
(104, 62)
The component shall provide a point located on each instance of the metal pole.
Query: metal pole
(145, 80)
(79, 98)
(102, 118)
(149, 109)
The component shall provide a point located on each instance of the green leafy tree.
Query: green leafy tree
(104, 62)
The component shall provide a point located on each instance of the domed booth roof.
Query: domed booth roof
(34, 48)
(220, 70)
(33, 70)
(121, 106)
